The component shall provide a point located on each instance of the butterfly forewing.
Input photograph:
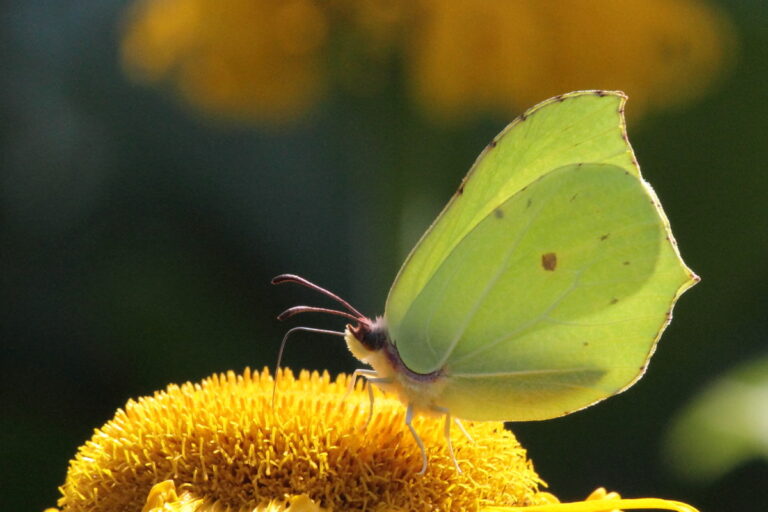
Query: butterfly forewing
(580, 127)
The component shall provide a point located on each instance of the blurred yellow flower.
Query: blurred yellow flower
(220, 443)
(265, 60)
(495, 53)
(243, 58)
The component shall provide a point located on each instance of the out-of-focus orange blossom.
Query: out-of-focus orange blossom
(252, 59)
(272, 61)
(497, 54)
(261, 60)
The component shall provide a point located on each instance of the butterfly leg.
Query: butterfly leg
(408, 421)
(463, 430)
(360, 372)
(447, 434)
(370, 377)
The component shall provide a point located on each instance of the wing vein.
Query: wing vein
(503, 266)
(521, 373)
(482, 347)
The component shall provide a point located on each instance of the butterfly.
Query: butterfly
(541, 289)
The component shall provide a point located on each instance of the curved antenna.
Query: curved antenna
(282, 347)
(295, 310)
(292, 278)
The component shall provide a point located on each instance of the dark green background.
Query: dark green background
(139, 239)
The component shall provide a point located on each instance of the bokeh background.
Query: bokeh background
(163, 159)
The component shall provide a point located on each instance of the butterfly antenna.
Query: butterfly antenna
(292, 278)
(288, 313)
(282, 348)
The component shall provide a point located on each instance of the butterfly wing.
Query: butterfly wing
(577, 127)
(551, 294)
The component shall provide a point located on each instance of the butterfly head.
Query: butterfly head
(371, 334)
(367, 336)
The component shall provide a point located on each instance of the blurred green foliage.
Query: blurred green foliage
(139, 238)
(724, 427)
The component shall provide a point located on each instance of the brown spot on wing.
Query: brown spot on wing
(549, 261)
(614, 300)
(605, 237)
(499, 213)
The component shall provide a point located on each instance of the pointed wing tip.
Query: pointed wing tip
(692, 280)
(688, 281)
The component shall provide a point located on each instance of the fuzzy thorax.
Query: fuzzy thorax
(421, 391)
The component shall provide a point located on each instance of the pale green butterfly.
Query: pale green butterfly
(542, 287)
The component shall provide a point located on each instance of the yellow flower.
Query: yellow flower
(266, 60)
(243, 58)
(495, 53)
(221, 443)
